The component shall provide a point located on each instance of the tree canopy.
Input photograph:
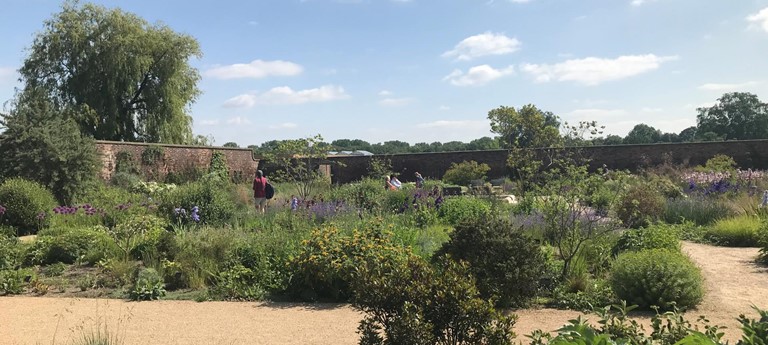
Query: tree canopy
(134, 76)
(736, 116)
(642, 134)
(527, 127)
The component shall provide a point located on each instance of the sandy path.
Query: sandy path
(733, 284)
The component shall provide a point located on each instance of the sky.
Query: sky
(430, 70)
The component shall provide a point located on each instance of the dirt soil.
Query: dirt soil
(733, 284)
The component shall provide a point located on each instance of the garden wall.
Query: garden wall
(177, 158)
(747, 153)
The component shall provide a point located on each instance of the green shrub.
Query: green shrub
(12, 281)
(463, 173)
(323, 268)
(116, 204)
(700, 211)
(70, 245)
(28, 205)
(741, 231)
(138, 236)
(657, 277)
(194, 259)
(456, 210)
(406, 301)
(655, 236)
(149, 286)
(10, 253)
(506, 263)
(252, 270)
(53, 270)
(718, 163)
(597, 293)
(214, 199)
(640, 205)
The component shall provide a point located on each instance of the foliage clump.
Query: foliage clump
(506, 262)
(27, 205)
(465, 172)
(657, 277)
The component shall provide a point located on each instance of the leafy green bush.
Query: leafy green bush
(324, 266)
(251, 271)
(10, 253)
(116, 204)
(700, 211)
(214, 199)
(640, 205)
(406, 301)
(506, 263)
(456, 210)
(657, 277)
(596, 294)
(149, 286)
(740, 231)
(28, 205)
(70, 245)
(718, 163)
(138, 236)
(367, 194)
(463, 173)
(655, 236)
(12, 281)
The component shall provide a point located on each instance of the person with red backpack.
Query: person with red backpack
(260, 191)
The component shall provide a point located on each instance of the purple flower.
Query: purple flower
(41, 216)
(195, 216)
(2, 210)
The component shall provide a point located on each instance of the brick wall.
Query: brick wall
(177, 158)
(747, 153)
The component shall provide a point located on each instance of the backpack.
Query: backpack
(269, 191)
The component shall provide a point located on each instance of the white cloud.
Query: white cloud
(484, 44)
(209, 122)
(478, 75)
(284, 125)
(640, 2)
(238, 121)
(594, 71)
(286, 95)
(728, 87)
(760, 19)
(395, 102)
(385, 93)
(256, 69)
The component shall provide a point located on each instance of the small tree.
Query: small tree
(298, 161)
(43, 143)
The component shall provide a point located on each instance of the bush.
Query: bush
(463, 173)
(10, 253)
(506, 263)
(701, 211)
(139, 236)
(456, 210)
(657, 277)
(149, 286)
(116, 204)
(656, 236)
(741, 231)
(70, 245)
(323, 268)
(640, 205)
(251, 271)
(214, 199)
(12, 281)
(28, 205)
(407, 301)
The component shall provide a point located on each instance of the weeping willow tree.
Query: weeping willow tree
(133, 77)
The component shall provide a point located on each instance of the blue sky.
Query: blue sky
(429, 70)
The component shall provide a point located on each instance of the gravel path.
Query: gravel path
(733, 284)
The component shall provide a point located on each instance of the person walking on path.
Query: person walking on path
(259, 192)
